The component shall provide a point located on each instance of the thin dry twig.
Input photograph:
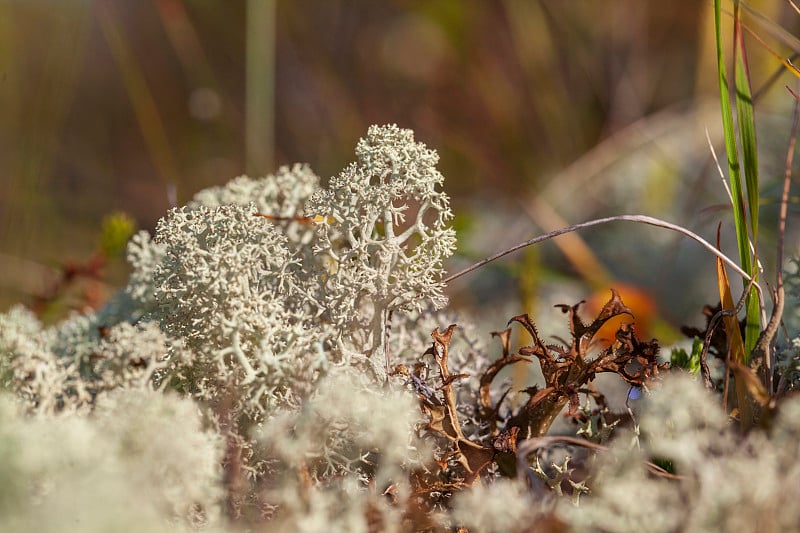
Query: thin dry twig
(528, 446)
(764, 345)
(712, 326)
(641, 219)
(713, 322)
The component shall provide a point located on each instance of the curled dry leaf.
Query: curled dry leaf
(568, 368)
(472, 456)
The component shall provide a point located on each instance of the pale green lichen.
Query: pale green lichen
(144, 256)
(229, 287)
(276, 329)
(43, 380)
(20, 333)
(225, 278)
(729, 482)
(351, 431)
(246, 358)
(281, 196)
(387, 233)
(137, 356)
(140, 462)
(496, 508)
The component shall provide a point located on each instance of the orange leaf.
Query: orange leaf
(736, 352)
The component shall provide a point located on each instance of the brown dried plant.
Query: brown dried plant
(567, 369)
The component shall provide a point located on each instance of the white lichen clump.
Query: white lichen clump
(728, 483)
(140, 462)
(230, 288)
(247, 373)
(387, 236)
(349, 438)
(246, 315)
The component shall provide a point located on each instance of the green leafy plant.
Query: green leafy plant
(745, 205)
(689, 361)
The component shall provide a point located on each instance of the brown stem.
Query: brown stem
(535, 419)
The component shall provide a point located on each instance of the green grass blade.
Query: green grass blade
(747, 135)
(729, 130)
(744, 109)
(747, 131)
(260, 87)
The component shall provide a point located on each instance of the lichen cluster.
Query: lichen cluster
(250, 301)
(281, 355)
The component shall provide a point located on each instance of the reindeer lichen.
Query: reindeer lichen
(387, 232)
(281, 196)
(278, 352)
(229, 287)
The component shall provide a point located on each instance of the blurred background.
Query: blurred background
(545, 113)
